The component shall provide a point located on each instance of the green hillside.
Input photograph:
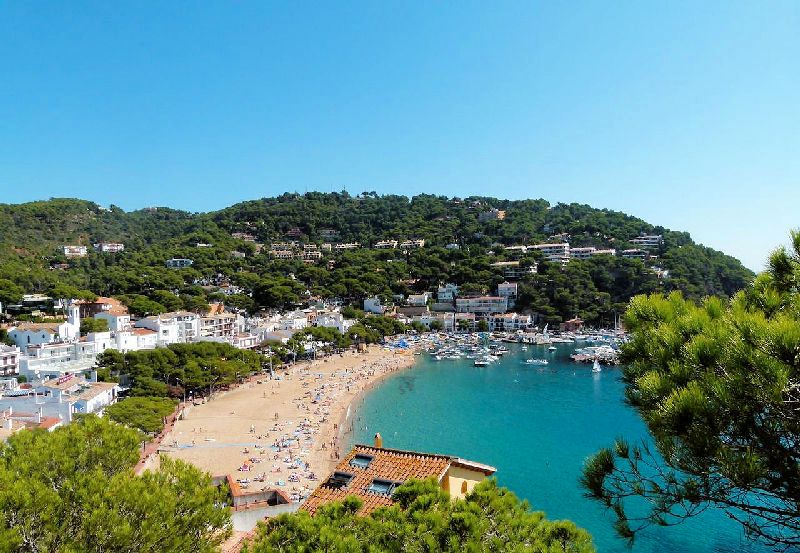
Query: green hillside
(32, 234)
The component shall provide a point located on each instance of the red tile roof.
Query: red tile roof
(387, 464)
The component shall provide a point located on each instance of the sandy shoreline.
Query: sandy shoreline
(288, 430)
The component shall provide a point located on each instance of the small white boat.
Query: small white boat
(537, 362)
(524, 348)
(481, 362)
(552, 348)
(596, 368)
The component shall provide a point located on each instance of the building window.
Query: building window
(382, 487)
(339, 480)
(361, 460)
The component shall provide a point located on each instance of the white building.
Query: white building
(648, 241)
(57, 359)
(412, 244)
(179, 263)
(588, 252)
(558, 252)
(74, 251)
(347, 246)
(512, 270)
(109, 247)
(507, 290)
(482, 305)
(374, 305)
(117, 318)
(386, 245)
(26, 334)
(333, 320)
(418, 299)
(218, 325)
(9, 360)
(172, 328)
(135, 339)
(635, 254)
(295, 320)
(448, 292)
(509, 322)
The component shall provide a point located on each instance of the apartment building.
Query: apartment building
(482, 305)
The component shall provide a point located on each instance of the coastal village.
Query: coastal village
(275, 436)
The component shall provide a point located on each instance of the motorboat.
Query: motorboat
(537, 362)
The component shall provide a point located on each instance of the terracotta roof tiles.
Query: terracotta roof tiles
(386, 464)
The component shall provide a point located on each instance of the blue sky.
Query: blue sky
(685, 114)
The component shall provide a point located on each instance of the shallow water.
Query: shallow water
(536, 425)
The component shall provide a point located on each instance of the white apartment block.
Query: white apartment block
(9, 360)
(555, 251)
(412, 244)
(448, 292)
(648, 241)
(58, 359)
(482, 305)
(512, 270)
(282, 254)
(347, 246)
(172, 328)
(418, 299)
(385, 245)
(109, 247)
(509, 322)
(374, 305)
(635, 254)
(507, 290)
(220, 325)
(74, 251)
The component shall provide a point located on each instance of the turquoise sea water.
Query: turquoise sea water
(536, 425)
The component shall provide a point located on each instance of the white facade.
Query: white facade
(482, 305)
(412, 244)
(374, 305)
(554, 252)
(109, 247)
(74, 251)
(448, 292)
(648, 241)
(509, 322)
(507, 289)
(333, 320)
(117, 319)
(172, 328)
(58, 359)
(418, 300)
(386, 245)
(635, 254)
(9, 360)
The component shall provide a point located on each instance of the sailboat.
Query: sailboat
(596, 368)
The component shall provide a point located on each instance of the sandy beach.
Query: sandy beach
(284, 432)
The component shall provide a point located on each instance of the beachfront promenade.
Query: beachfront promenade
(280, 433)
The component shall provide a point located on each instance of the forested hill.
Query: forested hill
(32, 234)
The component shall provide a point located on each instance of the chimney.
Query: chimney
(378, 440)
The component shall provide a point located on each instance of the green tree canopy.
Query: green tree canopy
(73, 489)
(718, 385)
(424, 519)
(143, 413)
